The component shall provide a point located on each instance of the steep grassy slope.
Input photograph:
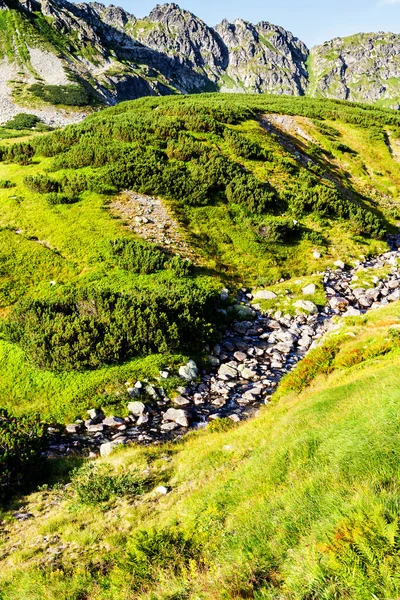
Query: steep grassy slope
(301, 502)
(258, 184)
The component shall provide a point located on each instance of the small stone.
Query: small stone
(316, 254)
(142, 420)
(96, 415)
(162, 490)
(95, 428)
(113, 422)
(309, 290)
(265, 295)
(21, 516)
(181, 401)
(73, 428)
(164, 374)
(339, 264)
(240, 356)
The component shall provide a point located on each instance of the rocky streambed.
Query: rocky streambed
(245, 367)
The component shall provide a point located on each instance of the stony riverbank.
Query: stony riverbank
(245, 367)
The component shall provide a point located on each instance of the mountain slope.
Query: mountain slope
(112, 56)
(92, 55)
(260, 189)
(300, 502)
(360, 68)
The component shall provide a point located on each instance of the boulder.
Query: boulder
(189, 371)
(365, 302)
(224, 294)
(133, 392)
(309, 290)
(169, 426)
(241, 327)
(248, 373)
(359, 292)
(151, 391)
(108, 447)
(177, 415)
(95, 428)
(338, 304)
(244, 312)
(227, 372)
(265, 295)
(307, 306)
(136, 408)
(181, 401)
(352, 312)
(213, 361)
(142, 420)
(73, 428)
(394, 296)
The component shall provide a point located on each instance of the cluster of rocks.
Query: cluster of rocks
(245, 367)
(149, 218)
(347, 297)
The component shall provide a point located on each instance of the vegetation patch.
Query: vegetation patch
(67, 95)
(22, 442)
(89, 328)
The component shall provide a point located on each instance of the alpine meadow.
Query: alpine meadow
(199, 309)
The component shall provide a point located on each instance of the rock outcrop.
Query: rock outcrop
(113, 56)
(360, 68)
(262, 58)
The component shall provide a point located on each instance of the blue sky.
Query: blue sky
(313, 21)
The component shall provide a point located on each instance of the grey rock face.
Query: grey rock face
(122, 58)
(263, 58)
(363, 68)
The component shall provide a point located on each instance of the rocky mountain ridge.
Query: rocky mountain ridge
(109, 55)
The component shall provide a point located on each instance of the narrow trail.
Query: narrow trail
(245, 367)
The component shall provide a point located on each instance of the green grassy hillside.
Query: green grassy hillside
(301, 502)
(257, 184)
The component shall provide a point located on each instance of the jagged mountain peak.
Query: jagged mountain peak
(111, 55)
